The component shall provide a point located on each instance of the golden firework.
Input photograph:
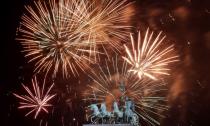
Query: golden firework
(62, 36)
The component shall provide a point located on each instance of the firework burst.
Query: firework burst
(114, 83)
(37, 99)
(64, 35)
(147, 58)
(53, 41)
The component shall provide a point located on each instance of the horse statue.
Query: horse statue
(96, 113)
(130, 115)
(117, 112)
(128, 111)
(104, 112)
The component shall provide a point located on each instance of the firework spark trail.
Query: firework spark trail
(37, 99)
(147, 94)
(147, 59)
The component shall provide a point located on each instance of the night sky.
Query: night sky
(186, 23)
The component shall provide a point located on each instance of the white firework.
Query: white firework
(148, 58)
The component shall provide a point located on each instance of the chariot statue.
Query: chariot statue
(125, 114)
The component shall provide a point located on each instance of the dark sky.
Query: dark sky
(185, 22)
